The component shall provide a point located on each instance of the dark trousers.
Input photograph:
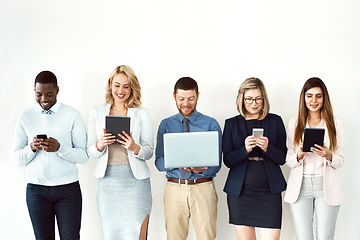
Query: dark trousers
(63, 202)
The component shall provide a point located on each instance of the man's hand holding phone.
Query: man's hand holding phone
(41, 142)
(50, 145)
(37, 141)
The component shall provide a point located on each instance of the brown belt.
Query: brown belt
(255, 158)
(190, 181)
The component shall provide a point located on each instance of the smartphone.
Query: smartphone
(42, 136)
(258, 132)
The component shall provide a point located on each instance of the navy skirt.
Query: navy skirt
(255, 209)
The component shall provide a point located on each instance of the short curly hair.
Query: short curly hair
(46, 77)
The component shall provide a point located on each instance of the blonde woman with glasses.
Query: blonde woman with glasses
(124, 195)
(255, 180)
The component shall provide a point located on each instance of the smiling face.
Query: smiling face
(45, 94)
(186, 101)
(253, 109)
(120, 88)
(314, 99)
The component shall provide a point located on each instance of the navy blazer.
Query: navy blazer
(235, 155)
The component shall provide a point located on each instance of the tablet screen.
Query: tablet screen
(313, 136)
(116, 124)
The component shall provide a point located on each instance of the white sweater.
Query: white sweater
(50, 168)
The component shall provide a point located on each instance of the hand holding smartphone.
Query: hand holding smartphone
(37, 142)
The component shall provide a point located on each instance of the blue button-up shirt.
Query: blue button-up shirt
(197, 123)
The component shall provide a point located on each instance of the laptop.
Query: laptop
(191, 149)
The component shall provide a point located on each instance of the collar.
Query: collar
(241, 117)
(192, 117)
(130, 111)
(55, 108)
(107, 109)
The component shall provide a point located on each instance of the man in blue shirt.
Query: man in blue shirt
(189, 192)
(49, 140)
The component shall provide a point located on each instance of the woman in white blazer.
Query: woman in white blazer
(313, 184)
(124, 194)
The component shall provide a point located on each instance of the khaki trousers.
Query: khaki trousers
(197, 201)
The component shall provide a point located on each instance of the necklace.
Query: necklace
(314, 124)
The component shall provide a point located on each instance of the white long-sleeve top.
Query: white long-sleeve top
(142, 133)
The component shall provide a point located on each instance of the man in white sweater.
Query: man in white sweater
(49, 140)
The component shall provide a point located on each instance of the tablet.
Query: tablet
(313, 136)
(117, 124)
(191, 149)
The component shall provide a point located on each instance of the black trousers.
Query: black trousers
(47, 202)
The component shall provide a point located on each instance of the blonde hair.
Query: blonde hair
(135, 96)
(252, 83)
(326, 112)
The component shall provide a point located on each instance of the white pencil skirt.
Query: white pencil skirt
(123, 203)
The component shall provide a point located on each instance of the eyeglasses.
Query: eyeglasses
(250, 100)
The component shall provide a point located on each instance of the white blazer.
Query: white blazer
(142, 132)
(332, 189)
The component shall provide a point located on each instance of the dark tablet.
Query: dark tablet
(313, 136)
(117, 124)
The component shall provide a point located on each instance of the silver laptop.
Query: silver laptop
(191, 149)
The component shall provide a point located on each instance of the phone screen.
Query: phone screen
(258, 132)
(42, 136)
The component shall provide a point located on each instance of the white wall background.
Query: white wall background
(218, 43)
